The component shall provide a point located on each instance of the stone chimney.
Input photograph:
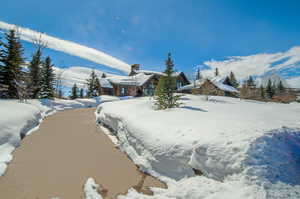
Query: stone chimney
(134, 68)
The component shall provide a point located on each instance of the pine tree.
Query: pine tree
(47, 79)
(35, 73)
(216, 72)
(227, 81)
(91, 85)
(233, 80)
(250, 82)
(74, 92)
(198, 75)
(280, 87)
(270, 89)
(97, 87)
(262, 92)
(165, 97)
(81, 93)
(12, 58)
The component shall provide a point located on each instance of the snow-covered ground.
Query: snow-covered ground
(245, 149)
(20, 119)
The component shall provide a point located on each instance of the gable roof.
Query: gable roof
(217, 81)
(134, 80)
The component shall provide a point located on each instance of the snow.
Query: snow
(244, 148)
(20, 119)
(217, 81)
(136, 80)
(91, 189)
(69, 47)
(75, 74)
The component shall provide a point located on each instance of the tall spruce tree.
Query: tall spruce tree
(12, 59)
(97, 87)
(233, 80)
(91, 82)
(198, 75)
(250, 82)
(270, 89)
(81, 95)
(227, 81)
(216, 72)
(35, 73)
(262, 92)
(47, 79)
(280, 87)
(165, 97)
(74, 92)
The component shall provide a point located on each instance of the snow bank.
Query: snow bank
(19, 119)
(91, 189)
(245, 149)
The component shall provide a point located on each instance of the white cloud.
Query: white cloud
(69, 47)
(259, 64)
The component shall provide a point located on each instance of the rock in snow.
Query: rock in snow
(245, 149)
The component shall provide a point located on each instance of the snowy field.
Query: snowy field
(20, 119)
(245, 149)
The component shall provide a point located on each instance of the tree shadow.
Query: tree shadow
(194, 108)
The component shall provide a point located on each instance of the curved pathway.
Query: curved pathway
(58, 158)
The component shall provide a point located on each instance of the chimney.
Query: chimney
(134, 68)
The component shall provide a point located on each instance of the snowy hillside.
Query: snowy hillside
(243, 148)
(19, 119)
(286, 64)
(75, 74)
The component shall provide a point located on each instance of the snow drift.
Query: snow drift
(244, 149)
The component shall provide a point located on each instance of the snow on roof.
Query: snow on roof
(217, 81)
(105, 83)
(147, 72)
(135, 80)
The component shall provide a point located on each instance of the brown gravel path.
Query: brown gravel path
(58, 158)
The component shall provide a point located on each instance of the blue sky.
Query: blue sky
(137, 31)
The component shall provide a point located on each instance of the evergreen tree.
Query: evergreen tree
(91, 82)
(216, 72)
(227, 81)
(81, 93)
(270, 89)
(35, 73)
(12, 58)
(47, 79)
(250, 82)
(103, 75)
(198, 75)
(97, 87)
(233, 80)
(280, 87)
(166, 88)
(262, 92)
(74, 92)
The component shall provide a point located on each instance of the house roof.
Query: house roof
(217, 81)
(105, 83)
(134, 80)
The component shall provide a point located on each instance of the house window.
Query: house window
(123, 91)
(179, 84)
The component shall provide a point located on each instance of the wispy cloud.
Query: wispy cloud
(69, 47)
(258, 64)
